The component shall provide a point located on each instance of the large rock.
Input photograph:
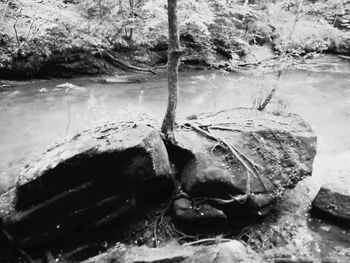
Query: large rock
(98, 177)
(239, 161)
(333, 201)
(229, 252)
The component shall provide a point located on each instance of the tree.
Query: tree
(173, 71)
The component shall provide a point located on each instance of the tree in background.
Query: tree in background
(173, 70)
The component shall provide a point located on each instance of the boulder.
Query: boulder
(333, 202)
(239, 161)
(98, 177)
(232, 251)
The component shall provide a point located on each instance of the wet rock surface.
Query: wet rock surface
(99, 177)
(333, 201)
(240, 161)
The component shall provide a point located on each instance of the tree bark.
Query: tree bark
(173, 71)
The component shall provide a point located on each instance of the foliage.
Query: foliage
(312, 33)
(194, 18)
(210, 31)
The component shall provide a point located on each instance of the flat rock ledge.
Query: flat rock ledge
(333, 202)
(228, 252)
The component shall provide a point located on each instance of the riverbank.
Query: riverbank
(71, 38)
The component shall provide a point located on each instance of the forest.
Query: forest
(63, 37)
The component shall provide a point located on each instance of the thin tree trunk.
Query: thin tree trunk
(173, 70)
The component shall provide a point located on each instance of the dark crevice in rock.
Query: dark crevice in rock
(89, 183)
(106, 169)
(178, 156)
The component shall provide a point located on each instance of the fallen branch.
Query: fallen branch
(344, 57)
(256, 63)
(105, 53)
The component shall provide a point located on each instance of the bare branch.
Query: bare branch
(30, 28)
(30, 34)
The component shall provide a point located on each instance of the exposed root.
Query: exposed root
(155, 233)
(249, 166)
(162, 227)
(241, 199)
(182, 235)
(114, 60)
(214, 147)
(165, 227)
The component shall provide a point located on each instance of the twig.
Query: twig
(182, 234)
(16, 33)
(167, 229)
(222, 128)
(30, 34)
(155, 233)
(214, 147)
(216, 240)
(68, 123)
(30, 28)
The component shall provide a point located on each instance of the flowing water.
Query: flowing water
(35, 115)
